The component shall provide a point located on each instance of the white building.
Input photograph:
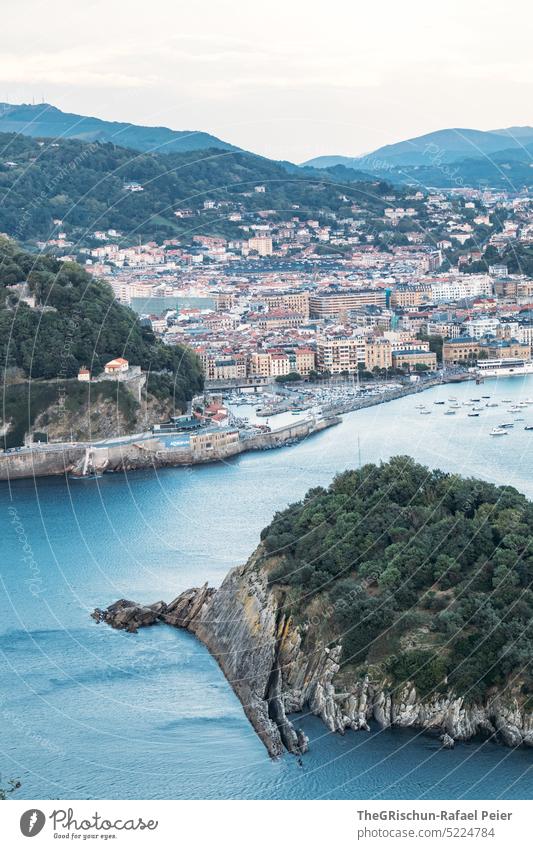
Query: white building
(464, 286)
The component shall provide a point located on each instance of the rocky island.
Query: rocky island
(398, 595)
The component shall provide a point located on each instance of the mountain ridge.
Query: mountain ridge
(47, 121)
(448, 145)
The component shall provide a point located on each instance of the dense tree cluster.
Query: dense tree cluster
(396, 550)
(83, 185)
(75, 321)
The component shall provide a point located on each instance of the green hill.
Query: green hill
(55, 318)
(85, 186)
(425, 574)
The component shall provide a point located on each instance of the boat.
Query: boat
(485, 396)
(528, 427)
(506, 367)
(425, 412)
(519, 419)
(420, 406)
(473, 415)
(452, 399)
(498, 431)
(507, 401)
(492, 404)
(449, 412)
(477, 408)
(506, 424)
(439, 402)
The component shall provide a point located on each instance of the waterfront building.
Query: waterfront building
(461, 350)
(411, 358)
(209, 441)
(378, 354)
(340, 354)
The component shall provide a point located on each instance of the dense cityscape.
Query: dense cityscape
(435, 283)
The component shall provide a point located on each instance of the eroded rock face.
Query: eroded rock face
(277, 668)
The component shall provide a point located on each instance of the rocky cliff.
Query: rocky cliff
(278, 667)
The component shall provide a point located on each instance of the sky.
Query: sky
(284, 78)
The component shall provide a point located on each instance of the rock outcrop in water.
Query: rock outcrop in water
(245, 627)
(446, 650)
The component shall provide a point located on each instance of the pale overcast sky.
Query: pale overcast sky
(285, 78)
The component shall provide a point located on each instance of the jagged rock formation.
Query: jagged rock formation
(245, 626)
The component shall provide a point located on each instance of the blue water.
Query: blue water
(88, 712)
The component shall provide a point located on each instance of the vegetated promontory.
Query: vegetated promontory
(56, 318)
(397, 594)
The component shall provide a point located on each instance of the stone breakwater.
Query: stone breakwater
(277, 668)
(126, 456)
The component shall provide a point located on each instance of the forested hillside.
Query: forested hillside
(55, 318)
(424, 573)
(85, 187)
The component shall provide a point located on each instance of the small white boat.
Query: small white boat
(498, 431)
(425, 412)
(492, 404)
(420, 406)
(449, 412)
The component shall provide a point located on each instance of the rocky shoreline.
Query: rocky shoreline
(245, 627)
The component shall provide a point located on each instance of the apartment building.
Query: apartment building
(340, 354)
(280, 363)
(289, 301)
(461, 287)
(408, 296)
(261, 244)
(279, 319)
(378, 354)
(332, 304)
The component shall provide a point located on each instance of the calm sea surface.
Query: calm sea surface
(88, 712)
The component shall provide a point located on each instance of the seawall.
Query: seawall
(80, 457)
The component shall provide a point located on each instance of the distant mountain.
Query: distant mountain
(442, 146)
(46, 121)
